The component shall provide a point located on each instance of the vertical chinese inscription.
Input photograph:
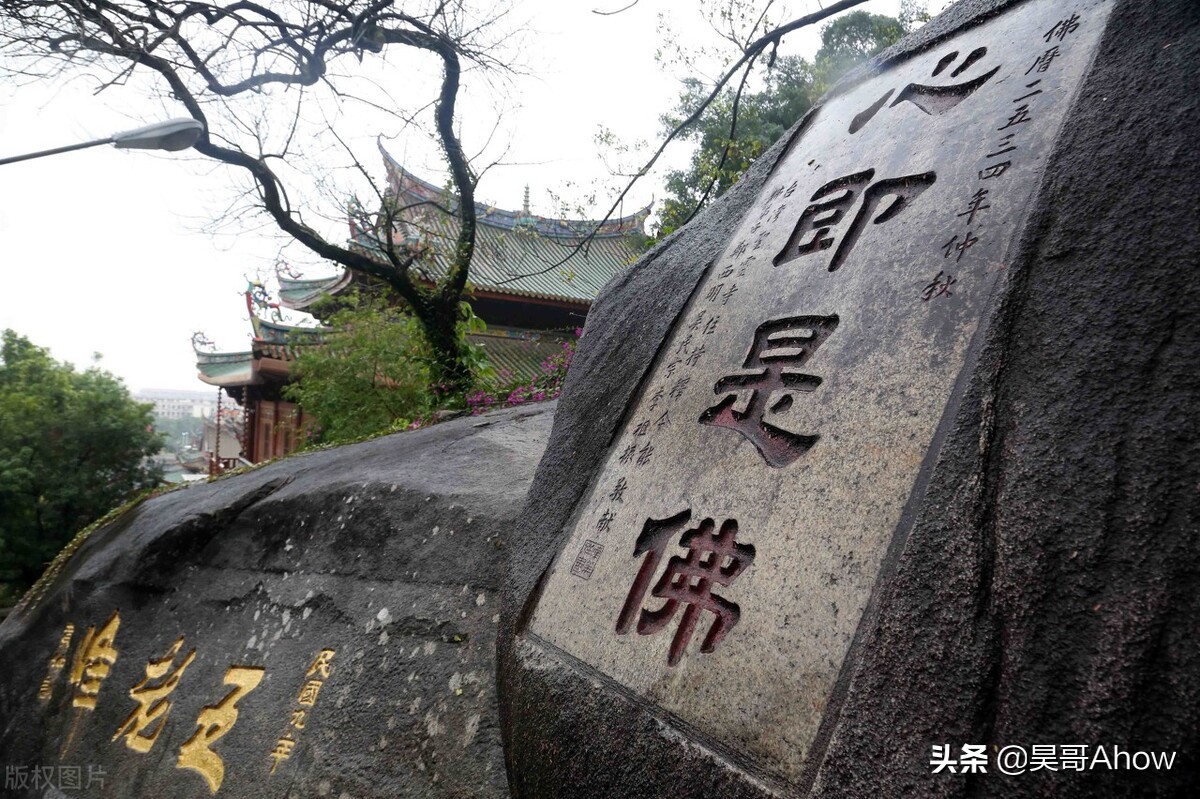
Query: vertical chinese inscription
(58, 662)
(318, 672)
(792, 405)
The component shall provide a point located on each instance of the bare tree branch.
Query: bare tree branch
(752, 51)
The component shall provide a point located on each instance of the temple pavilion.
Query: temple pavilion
(530, 301)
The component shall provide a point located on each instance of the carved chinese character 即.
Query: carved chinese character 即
(831, 203)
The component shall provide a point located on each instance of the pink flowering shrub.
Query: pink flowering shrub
(546, 385)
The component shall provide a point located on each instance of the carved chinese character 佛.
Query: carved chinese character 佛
(1062, 28)
(771, 383)
(831, 203)
(933, 99)
(712, 559)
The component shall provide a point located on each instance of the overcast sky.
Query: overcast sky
(115, 252)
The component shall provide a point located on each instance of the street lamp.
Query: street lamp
(174, 134)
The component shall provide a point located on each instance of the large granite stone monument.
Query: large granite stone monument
(320, 627)
(886, 466)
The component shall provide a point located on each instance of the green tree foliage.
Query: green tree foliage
(847, 42)
(374, 370)
(789, 89)
(72, 447)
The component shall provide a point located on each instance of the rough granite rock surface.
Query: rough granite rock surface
(388, 552)
(1047, 587)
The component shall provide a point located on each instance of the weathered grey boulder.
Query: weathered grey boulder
(341, 607)
(893, 452)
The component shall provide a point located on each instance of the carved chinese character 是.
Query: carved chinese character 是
(213, 723)
(153, 704)
(779, 343)
(712, 560)
(830, 204)
(93, 661)
(932, 99)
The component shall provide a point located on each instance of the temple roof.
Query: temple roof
(274, 346)
(403, 182)
(516, 252)
(514, 354)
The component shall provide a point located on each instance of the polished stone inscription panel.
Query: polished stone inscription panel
(722, 561)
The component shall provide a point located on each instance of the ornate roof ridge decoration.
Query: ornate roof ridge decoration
(272, 332)
(401, 181)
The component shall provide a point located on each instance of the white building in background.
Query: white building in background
(176, 404)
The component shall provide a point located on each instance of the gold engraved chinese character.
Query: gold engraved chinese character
(214, 722)
(282, 751)
(93, 661)
(153, 704)
(322, 663)
(308, 694)
(58, 662)
(298, 717)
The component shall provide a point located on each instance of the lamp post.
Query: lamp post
(174, 134)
